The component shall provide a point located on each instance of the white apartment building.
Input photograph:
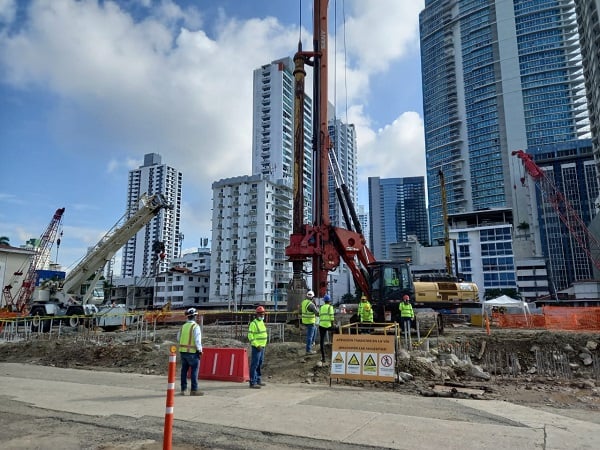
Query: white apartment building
(273, 127)
(182, 287)
(194, 261)
(139, 255)
(252, 222)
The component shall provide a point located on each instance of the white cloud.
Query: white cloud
(381, 32)
(8, 10)
(164, 85)
(397, 150)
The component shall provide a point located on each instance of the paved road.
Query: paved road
(278, 416)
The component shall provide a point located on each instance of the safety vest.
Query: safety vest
(308, 317)
(257, 333)
(326, 315)
(406, 310)
(186, 338)
(365, 312)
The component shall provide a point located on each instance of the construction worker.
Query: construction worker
(326, 319)
(257, 335)
(365, 311)
(190, 350)
(406, 313)
(309, 312)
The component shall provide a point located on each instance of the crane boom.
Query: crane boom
(106, 248)
(566, 213)
(28, 284)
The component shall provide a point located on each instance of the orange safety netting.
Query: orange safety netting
(553, 318)
(572, 318)
(521, 321)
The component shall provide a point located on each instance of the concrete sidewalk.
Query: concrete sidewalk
(338, 413)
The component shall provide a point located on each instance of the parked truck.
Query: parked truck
(65, 297)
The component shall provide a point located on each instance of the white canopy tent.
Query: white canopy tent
(506, 302)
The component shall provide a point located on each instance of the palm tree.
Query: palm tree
(4, 240)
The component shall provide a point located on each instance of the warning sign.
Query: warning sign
(369, 363)
(363, 357)
(387, 365)
(338, 363)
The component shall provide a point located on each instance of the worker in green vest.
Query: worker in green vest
(258, 336)
(326, 320)
(365, 310)
(190, 351)
(406, 313)
(365, 315)
(309, 313)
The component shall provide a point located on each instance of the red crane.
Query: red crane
(567, 214)
(23, 295)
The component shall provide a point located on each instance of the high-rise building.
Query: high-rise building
(396, 210)
(273, 126)
(498, 76)
(273, 147)
(363, 218)
(344, 149)
(588, 20)
(150, 251)
(251, 227)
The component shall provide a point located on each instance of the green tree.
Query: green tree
(4, 240)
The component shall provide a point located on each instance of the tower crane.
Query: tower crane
(19, 302)
(566, 213)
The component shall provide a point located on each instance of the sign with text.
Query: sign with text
(363, 357)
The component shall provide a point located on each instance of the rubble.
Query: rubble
(522, 366)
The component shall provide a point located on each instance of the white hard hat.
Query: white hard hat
(191, 312)
(310, 294)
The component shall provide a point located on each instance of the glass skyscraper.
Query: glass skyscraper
(498, 76)
(396, 210)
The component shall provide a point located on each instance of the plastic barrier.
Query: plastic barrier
(225, 364)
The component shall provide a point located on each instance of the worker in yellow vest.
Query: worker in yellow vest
(190, 351)
(406, 313)
(258, 336)
(309, 313)
(365, 310)
(326, 320)
(365, 314)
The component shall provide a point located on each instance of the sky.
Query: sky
(90, 86)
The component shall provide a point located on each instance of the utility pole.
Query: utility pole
(233, 273)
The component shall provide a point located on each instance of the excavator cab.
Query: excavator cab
(388, 282)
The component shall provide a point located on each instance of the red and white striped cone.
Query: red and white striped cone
(168, 430)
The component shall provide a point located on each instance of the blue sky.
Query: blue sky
(88, 87)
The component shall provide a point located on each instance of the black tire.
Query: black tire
(38, 322)
(72, 312)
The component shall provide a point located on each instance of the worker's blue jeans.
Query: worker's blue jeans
(189, 361)
(256, 360)
(311, 331)
(406, 322)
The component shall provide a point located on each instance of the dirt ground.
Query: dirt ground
(534, 368)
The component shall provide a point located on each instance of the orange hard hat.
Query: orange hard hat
(260, 309)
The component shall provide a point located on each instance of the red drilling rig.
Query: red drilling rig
(321, 243)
